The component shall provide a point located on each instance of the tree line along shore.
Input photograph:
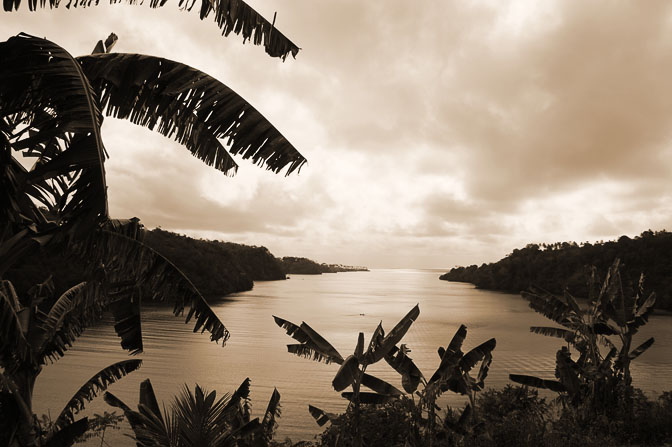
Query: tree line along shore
(563, 265)
(216, 268)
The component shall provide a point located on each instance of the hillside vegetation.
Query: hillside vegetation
(553, 267)
(305, 266)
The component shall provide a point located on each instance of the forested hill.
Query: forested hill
(556, 266)
(215, 267)
(305, 266)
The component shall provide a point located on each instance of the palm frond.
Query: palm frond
(130, 259)
(77, 309)
(186, 104)
(96, 384)
(49, 98)
(230, 15)
(309, 352)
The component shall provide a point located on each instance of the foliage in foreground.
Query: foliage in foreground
(512, 416)
(199, 419)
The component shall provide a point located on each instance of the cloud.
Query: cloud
(437, 133)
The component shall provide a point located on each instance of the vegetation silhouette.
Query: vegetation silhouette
(51, 109)
(451, 375)
(563, 265)
(198, 419)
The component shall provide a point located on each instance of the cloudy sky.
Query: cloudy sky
(437, 133)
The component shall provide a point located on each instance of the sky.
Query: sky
(437, 133)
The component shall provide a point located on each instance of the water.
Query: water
(338, 306)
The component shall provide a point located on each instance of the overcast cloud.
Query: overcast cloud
(437, 132)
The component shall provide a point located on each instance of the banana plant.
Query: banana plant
(31, 338)
(51, 110)
(612, 311)
(453, 374)
(198, 419)
(352, 370)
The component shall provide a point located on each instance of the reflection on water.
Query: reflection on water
(338, 306)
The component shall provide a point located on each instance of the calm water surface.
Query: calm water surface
(338, 306)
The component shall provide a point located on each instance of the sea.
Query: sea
(338, 306)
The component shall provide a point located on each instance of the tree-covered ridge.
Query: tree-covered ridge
(553, 267)
(215, 267)
(305, 266)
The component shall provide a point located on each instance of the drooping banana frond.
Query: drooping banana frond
(536, 382)
(130, 259)
(550, 306)
(55, 117)
(474, 356)
(230, 15)
(346, 374)
(67, 435)
(321, 416)
(186, 104)
(642, 314)
(379, 386)
(313, 343)
(75, 310)
(565, 334)
(404, 365)
(641, 348)
(483, 372)
(95, 385)
(13, 343)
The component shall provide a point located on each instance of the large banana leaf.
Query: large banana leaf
(273, 412)
(379, 386)
(311, 343)
(321, 416)
(404, 365)
(54, 115)
(184, 103)
(641, 348)
(474, 356)
(74, 311)
(12, 340)
(128, 258)
(536, 382)
(67, 435)
(370, 398)
(381, 349)
(346, 374)
(92, 387)
(450, 356)
(230, 15)
(565, 334)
